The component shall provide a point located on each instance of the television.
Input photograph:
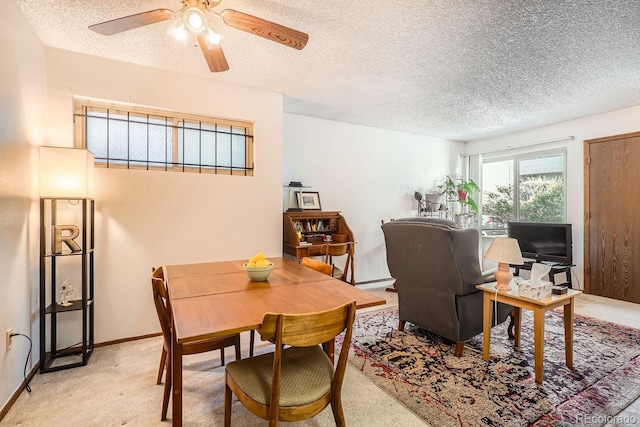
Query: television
(543, 241)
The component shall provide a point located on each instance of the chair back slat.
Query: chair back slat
(161, 301)
(334, 249)
(320, 266)
(304, 330)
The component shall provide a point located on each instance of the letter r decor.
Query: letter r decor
(60, 236)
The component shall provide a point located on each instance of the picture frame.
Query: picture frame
(309, 200)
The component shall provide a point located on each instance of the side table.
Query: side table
(539, 308)
(555, 269)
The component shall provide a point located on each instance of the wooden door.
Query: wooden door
(612, 217)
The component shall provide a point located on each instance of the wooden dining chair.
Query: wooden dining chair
(330, 250)
(161, 301)
(297, 382)
(320, 266)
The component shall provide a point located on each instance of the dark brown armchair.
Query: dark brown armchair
(436, 266)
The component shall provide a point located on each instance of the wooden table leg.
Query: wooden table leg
(517, 315)
(568, 333)
(176, 399)
(538, 343)
(486, 324)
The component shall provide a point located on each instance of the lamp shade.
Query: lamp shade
(66, 172)
(504, 249)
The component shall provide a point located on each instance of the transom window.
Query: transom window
(137, 137)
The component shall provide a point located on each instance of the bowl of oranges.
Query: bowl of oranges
(258, 267)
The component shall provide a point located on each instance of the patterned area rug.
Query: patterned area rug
(420, 370)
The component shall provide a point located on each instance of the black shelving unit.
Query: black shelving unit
(54, 262)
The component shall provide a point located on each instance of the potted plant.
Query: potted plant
(434, 200)
(430, 203)
(461, 190)
(464, 189)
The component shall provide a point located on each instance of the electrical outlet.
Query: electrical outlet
(9, 338)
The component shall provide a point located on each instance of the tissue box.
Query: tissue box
(537, 291)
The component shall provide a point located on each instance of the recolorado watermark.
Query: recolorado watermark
(624, 420)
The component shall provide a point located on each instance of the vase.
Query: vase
(463, 220)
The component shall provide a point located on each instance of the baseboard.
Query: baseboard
(123, 340)
(368, 282)
(19, 390)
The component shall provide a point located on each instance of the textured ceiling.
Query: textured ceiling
(455, 69)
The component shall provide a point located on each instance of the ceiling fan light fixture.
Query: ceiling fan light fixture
(195, 20)
(212, 37)
(193, 17)
(178, 30)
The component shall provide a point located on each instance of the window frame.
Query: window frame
(172, 120)
(516, 158)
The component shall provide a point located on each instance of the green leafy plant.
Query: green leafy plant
(461, 190)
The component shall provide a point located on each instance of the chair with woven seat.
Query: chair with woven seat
(299, 381)
(161, 301)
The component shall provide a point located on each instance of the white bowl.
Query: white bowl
(258, 274)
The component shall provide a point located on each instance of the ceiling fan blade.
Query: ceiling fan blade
(214, 56)
(130, 22)
(263, 28)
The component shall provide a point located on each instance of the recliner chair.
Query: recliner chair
(436, 266)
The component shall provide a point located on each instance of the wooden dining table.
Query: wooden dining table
(216, 299)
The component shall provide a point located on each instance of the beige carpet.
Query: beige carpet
(118, 387)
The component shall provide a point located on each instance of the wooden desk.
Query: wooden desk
(313, 226)
(211, 300)
(539, 308)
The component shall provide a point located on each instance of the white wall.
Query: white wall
(146, 219)
(368, 174)
(22, 98)
(150, 218)
(612, 123)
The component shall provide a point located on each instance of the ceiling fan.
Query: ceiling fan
(192, 18)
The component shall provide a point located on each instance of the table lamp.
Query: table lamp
(506, 251)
